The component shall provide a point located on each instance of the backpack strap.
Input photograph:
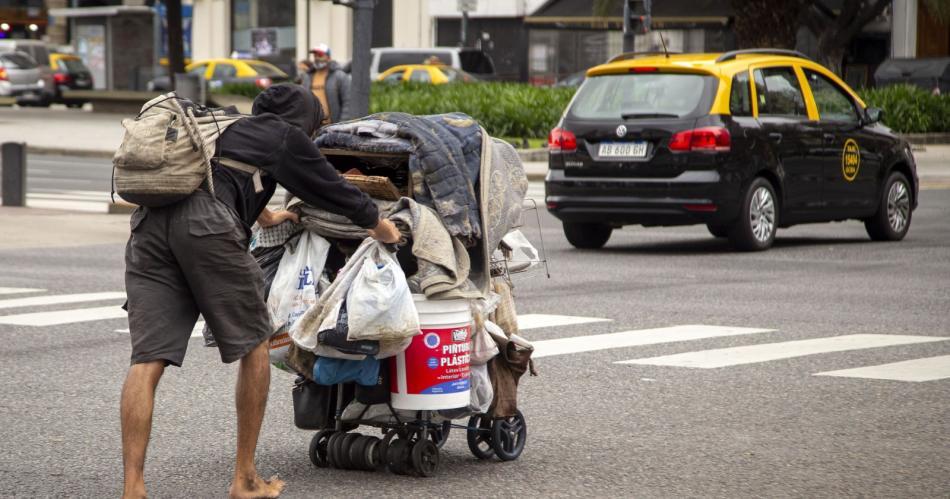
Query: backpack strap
(252, 170)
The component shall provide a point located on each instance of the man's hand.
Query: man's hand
(269, 218)
(385, 232)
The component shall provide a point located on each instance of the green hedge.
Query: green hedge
(524, 111)
(910, 109)
(504, 109)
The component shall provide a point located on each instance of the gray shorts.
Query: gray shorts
(189, 258)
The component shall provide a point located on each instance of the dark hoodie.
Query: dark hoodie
(276, 139)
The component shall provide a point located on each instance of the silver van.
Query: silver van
(468, 59)
(39, 52)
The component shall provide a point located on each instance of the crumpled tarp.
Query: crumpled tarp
(444, 160)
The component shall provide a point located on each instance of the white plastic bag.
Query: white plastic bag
(294, 289)
(379, 303)
(484, 347)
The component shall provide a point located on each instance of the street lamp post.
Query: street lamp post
(359, 67)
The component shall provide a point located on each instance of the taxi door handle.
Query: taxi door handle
(829, 138)
(777, 137)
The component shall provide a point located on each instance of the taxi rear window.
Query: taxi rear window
(642, 95)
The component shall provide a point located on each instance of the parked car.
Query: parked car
(20, 78)
(425, 73)
(468, 59)
(69, 73)
(218, 72)
(39, 52)
(745, 142)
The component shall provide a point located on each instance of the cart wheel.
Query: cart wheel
(382, 458)
(426, 458)
(509, 436)
(479, 436)
(369, 453)
(440, 434)
(333, 449)
(398, 456)
(318, 448)
(356, 452)
(344, 450)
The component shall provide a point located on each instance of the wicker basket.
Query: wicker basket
(376, 187)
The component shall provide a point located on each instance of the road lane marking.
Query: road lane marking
(917, 370)
(751, 354)
(15, 291)
(60, 299)
(64, 316)
(535, 321)
(195, 333)
(577, 344)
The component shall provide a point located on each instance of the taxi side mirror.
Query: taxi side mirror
(874, 115)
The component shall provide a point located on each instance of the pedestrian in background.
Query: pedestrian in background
(329, 84)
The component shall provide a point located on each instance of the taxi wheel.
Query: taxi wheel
(892, 219)
(755, 228)
(587, 235)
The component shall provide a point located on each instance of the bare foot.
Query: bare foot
(258, 488)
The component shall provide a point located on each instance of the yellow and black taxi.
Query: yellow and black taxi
(744, 142)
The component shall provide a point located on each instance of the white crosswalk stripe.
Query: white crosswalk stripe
(18, 291)
(535, 321)
(577, 344)
(195, 332)
(917, 370)
(61, 317)
(59, 299)
(751, 354)
(95, 201)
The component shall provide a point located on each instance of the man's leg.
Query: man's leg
(253, 385)
(138, 398)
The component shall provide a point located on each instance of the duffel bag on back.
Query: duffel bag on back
(167, 149)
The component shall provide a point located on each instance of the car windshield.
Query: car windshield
(72, 66)
(640, 95)
(17, 60)
(390, 59)
(265, 69)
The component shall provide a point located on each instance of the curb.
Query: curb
(62, 151)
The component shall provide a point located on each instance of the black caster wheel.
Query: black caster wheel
(369, 453)
(318, 448)
(398, 456)
(479, 435)
(382, 449)
(440, 434)
(346, 443)
(425, 458)
(509, 436)
(333, 447)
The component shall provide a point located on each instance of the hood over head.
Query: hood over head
(292, 103)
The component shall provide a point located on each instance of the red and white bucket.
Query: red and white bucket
(433, 372)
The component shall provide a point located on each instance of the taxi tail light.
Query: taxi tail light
(263, 82)
(643, 69)
(61, 78)
(3, 73)
(710, 138)
(561, 140)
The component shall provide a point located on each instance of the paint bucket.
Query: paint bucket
(433, 372)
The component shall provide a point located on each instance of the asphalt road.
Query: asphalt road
(596, 428)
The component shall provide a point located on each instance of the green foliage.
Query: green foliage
(910, 109)
(249, 90)
(504, 109)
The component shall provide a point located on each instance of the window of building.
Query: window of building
(266, 30)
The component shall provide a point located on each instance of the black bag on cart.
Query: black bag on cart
(315, 405)
(378, 393)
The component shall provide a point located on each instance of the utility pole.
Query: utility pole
(176, 51)
(465, 6)
(359, 70)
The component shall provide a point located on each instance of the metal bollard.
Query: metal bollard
(13, 180)
(191, 87)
